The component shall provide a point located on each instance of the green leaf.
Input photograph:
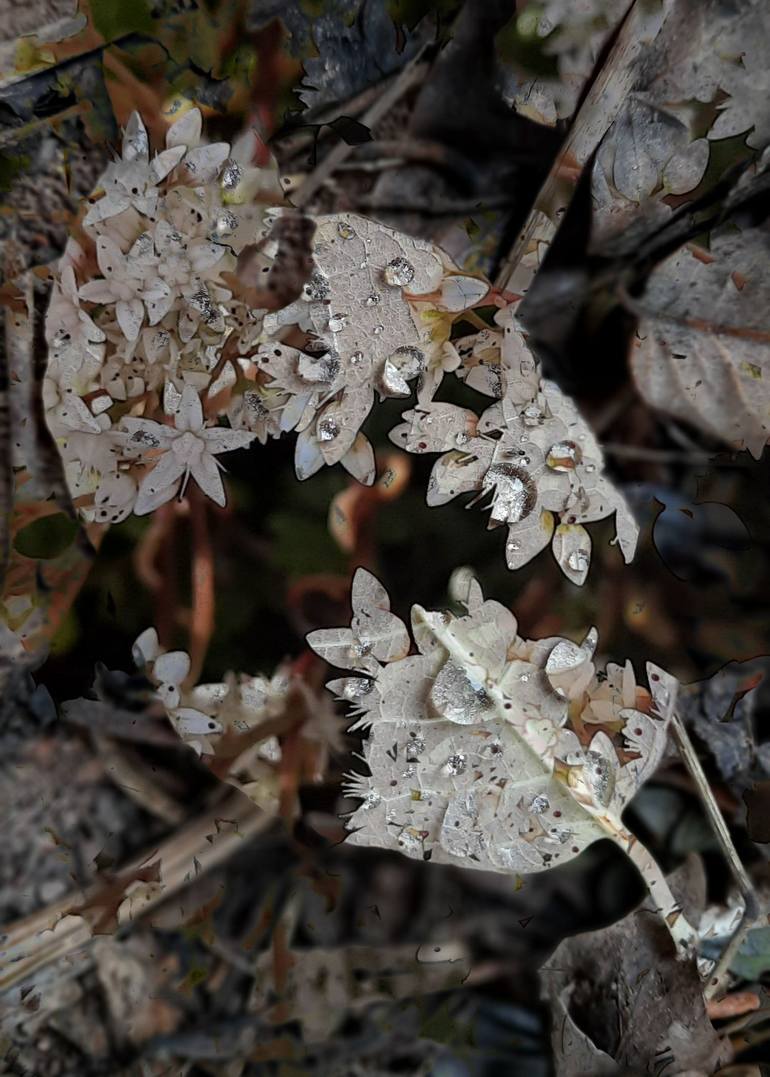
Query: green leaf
(753, 958)
(46, 538)
(113, 20)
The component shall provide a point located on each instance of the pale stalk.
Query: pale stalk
(719, 977)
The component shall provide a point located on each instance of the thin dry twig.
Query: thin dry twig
(719, 977)
(54, 944)
(409, 77)
(593, 119)
(203, 589)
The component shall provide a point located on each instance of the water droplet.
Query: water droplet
(578, 561)
(461, 439)
(337, 322)
(344, 231)
(225, 224)
(371, 800)
(372, 300)
(408, 360)
(356, 358)
(398, 272)
(391, 381)
(231, 175)
(324, 368)
(459, 695)
(456, 764)
(532, 415)
(328, 429)
(414, 748)
(378, 329)
(590, 468)
(564, 456)
(539, 804)
(515, 494)
(356, 688)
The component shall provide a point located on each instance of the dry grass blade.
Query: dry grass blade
(32, 946)
(719, 977)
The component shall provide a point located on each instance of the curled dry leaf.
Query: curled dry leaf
(703, 352)
(491, 751)
(647, 155)
(619, 1004)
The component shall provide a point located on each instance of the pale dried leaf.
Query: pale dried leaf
(703, 352)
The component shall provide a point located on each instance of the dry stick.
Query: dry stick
(410, 76)
(203, 587)
(599, 110)
(719, 976)
(33, 944)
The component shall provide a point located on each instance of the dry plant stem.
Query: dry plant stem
(667, 906)
(32, 945)
(203, 590)
(681, 931)
(595, 116)
(410, 76)
(701, 325)
(664, 456)
(719, 977)
(6, 472)
(129, 773)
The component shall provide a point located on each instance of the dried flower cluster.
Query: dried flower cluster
(176, 331)
(201, 714)
(237, 710)
(490, 750)
(531, 452)
(140, 316)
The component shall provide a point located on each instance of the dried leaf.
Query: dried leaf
(620, 1004)
(704, 342)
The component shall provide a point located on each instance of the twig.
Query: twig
(718, 978)
(735, 1005)
(595, 116)
(33, 945)
(666, 905)
(436, 207)
(410, 76)
(203, 589)
(698, 325)
(666, 456)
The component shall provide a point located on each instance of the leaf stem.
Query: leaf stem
(720, 975)
(682, 932)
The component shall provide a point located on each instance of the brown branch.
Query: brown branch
(203, 584)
